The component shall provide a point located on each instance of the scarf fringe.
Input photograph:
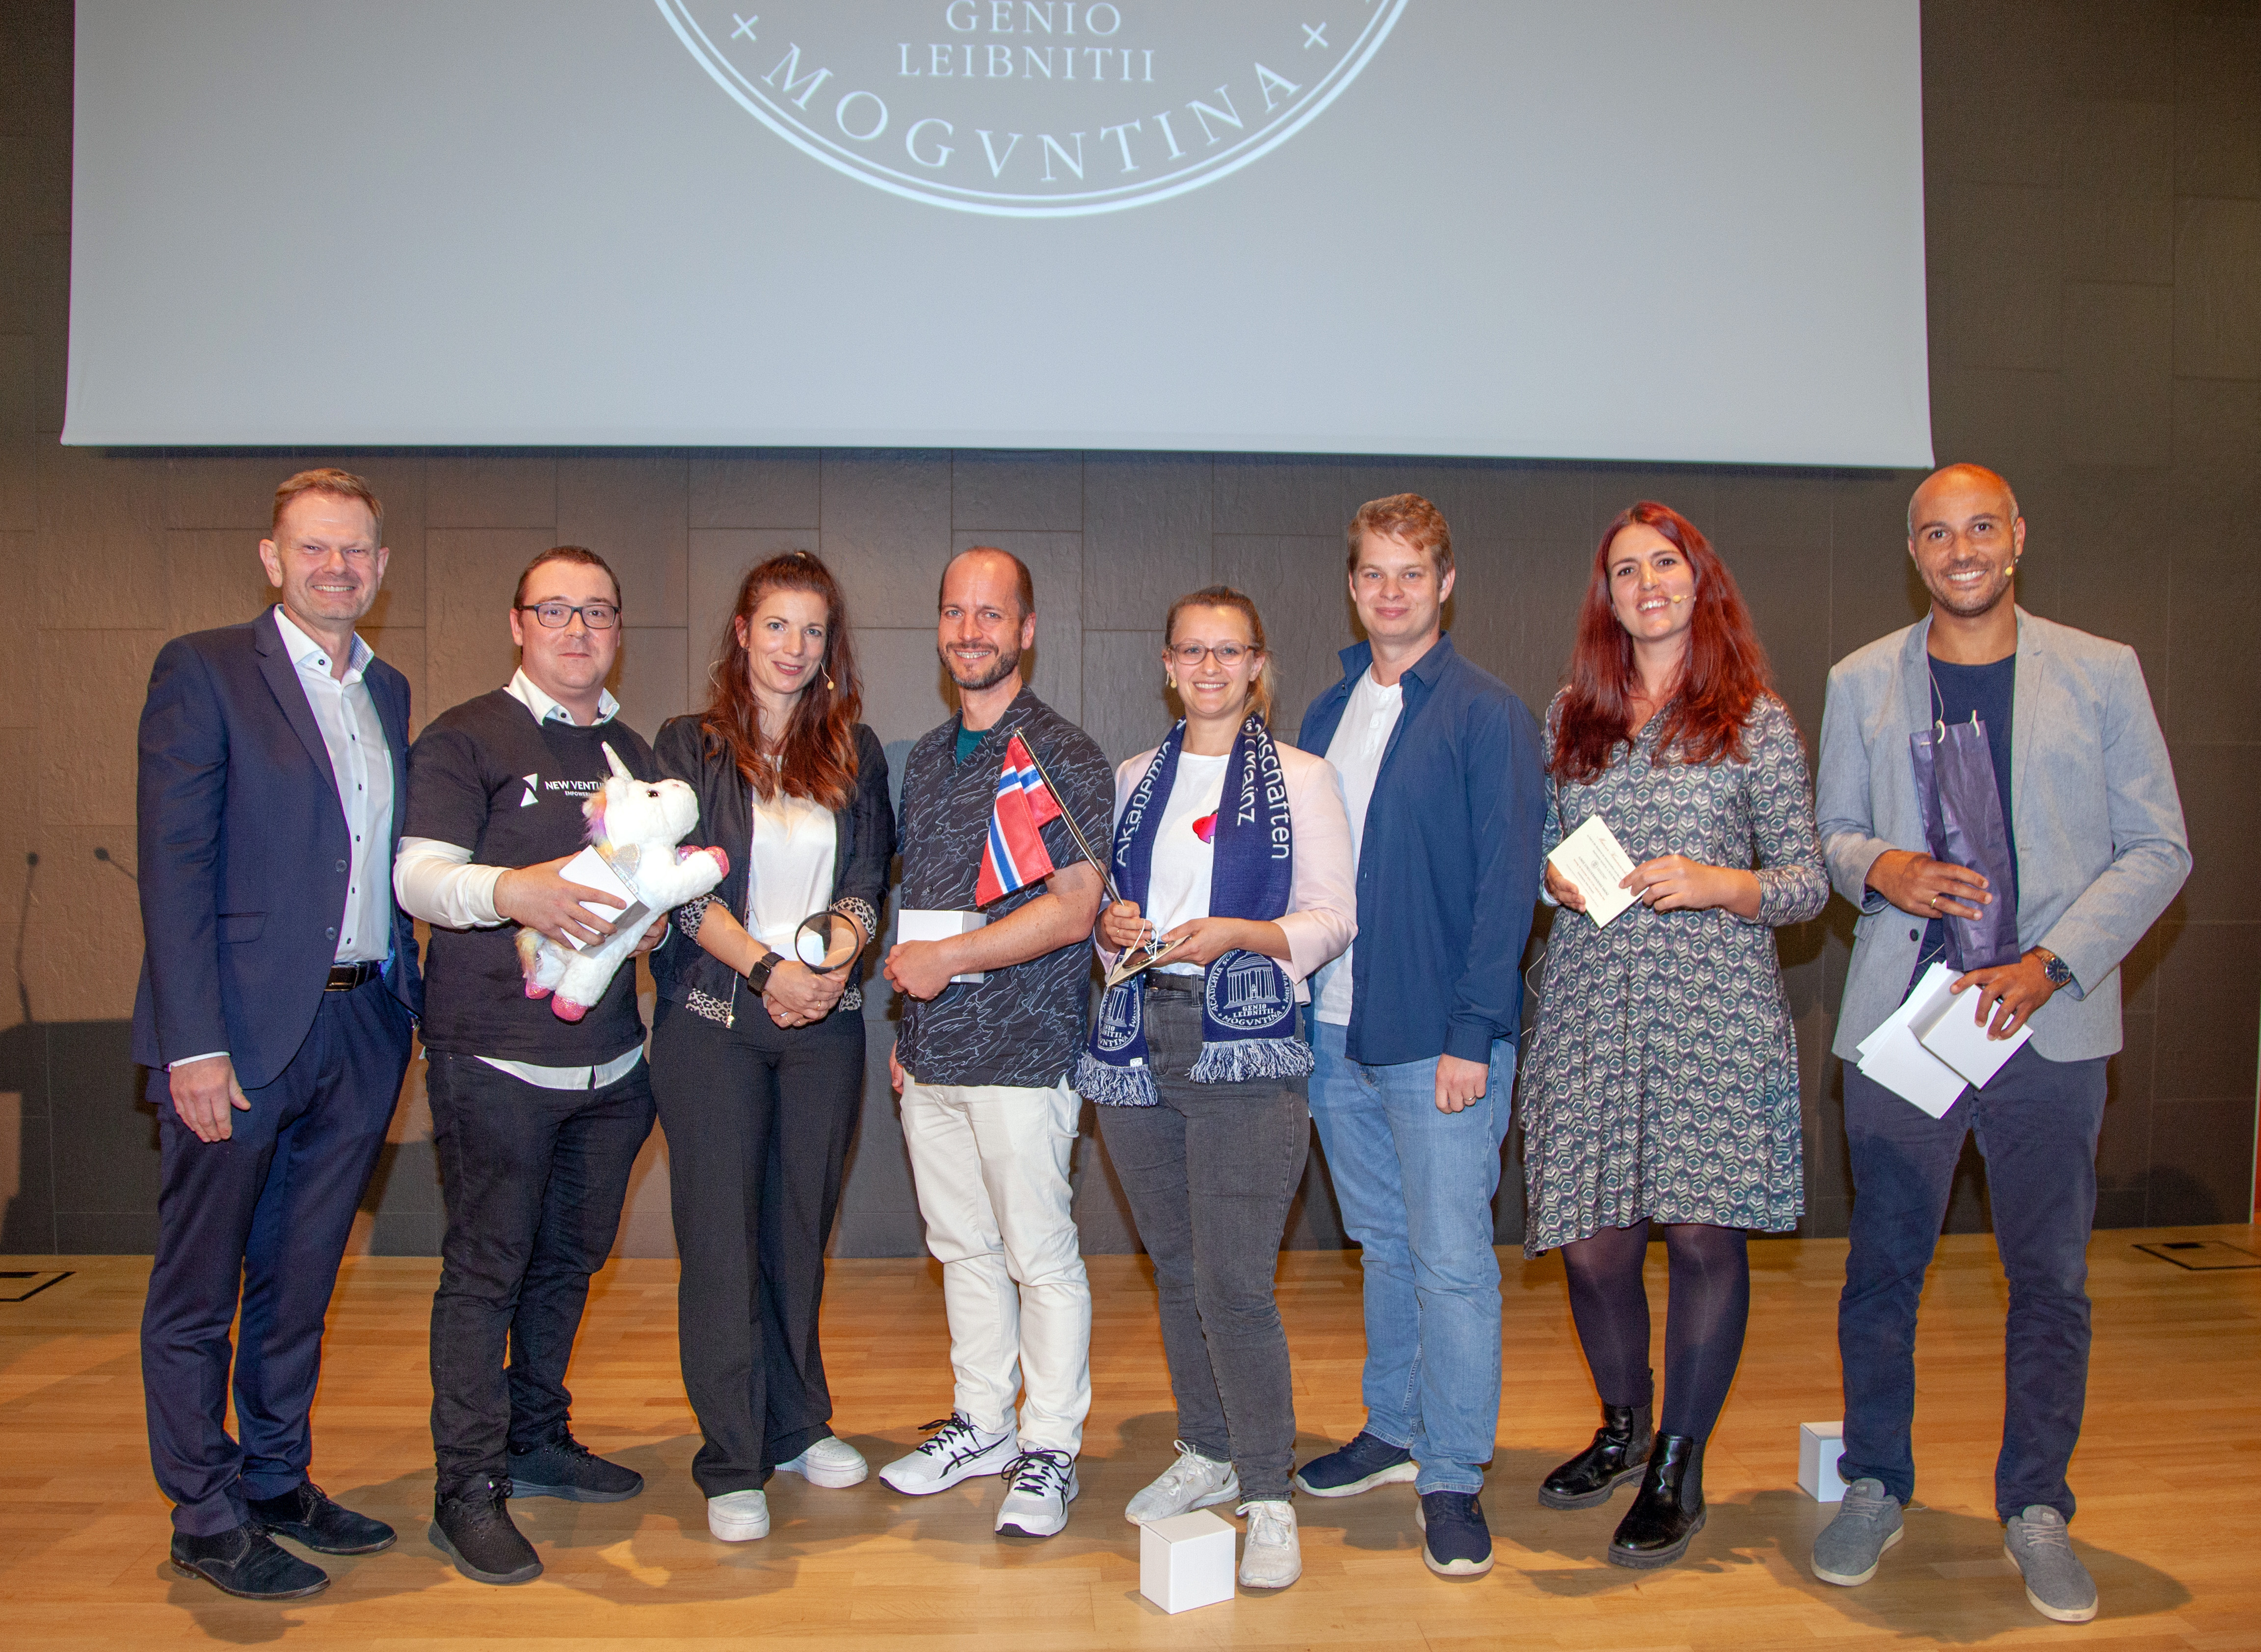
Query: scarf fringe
(1109, 1086)
(1243, 1059)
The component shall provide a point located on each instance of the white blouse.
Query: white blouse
(1177, 883)
(789, 872)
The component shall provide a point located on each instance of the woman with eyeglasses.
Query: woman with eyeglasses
(1660, 1093)
(758, 1043)
(1231, 859)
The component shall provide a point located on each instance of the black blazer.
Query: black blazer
(860, 860)
(244, 851)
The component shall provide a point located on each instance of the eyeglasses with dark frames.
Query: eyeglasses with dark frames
(553, 616)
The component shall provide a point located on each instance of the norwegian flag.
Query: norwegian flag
(1015, 856)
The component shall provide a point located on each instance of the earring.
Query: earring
(827, 685)
(1172, 679)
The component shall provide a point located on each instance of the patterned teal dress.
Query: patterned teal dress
(1661, 1079)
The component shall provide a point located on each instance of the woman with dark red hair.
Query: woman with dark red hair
(1660, 1085)
(758, 1043)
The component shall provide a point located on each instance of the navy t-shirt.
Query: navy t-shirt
(1957, 691)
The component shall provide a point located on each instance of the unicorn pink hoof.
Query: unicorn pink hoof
(720, 860)
(566, 1010)
(534, 990)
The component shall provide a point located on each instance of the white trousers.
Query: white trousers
(991, 1164)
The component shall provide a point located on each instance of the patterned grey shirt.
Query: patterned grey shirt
(1022, 1025)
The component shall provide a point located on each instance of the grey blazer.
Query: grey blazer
(2101, 848)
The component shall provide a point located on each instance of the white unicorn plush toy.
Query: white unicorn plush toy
(636, 827)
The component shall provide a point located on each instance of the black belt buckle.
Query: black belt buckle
(344, 978)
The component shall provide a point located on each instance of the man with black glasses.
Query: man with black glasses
(537, 1120)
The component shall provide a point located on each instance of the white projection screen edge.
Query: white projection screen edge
(1682, 230)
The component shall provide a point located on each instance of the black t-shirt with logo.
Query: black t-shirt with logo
(1022, 1025)
(487, 776)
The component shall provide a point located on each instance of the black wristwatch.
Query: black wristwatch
(759, 977)
(2058, 971)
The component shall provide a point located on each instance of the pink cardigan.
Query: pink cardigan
(1322, 915)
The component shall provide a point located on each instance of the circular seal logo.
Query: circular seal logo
(1034, 108)
(1249, 995)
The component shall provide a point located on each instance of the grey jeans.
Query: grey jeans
(1210, 1173)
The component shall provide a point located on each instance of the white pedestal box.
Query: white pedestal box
(1820, 1445)
(1186, 1561)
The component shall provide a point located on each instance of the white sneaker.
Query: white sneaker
(1193, 1481)
(830, 1461)
(1042, 1485)
(957, 1451)
(738, 1517)
(1272, 1556)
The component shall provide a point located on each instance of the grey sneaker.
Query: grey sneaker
(1867, 1525)
(2057, 1583)
(1193, 1481)
(1272, 1556)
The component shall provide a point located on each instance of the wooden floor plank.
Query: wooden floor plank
(2168, 1525)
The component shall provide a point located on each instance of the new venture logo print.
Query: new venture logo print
(1034, 108)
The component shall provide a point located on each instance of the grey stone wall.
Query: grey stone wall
(2093, 196)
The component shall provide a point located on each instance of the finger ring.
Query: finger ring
(1935, 901)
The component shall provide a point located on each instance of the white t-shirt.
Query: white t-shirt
(789, 872)
(1178, 881)
(1355, 751)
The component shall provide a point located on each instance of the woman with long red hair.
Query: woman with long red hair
(757, 1042)
(1660, 1085)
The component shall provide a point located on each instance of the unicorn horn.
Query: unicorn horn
(619, 768)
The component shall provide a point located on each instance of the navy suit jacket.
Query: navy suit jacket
(244, 852)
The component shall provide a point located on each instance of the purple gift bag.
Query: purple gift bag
(1962, 821)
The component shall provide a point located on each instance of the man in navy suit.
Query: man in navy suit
(278, 988)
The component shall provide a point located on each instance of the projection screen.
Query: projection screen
(1664, 230)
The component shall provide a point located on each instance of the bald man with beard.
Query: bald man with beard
(2096, 850)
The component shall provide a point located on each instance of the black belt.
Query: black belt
(1157, 981)
(344, 978)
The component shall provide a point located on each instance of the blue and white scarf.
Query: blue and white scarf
(1248, 1002)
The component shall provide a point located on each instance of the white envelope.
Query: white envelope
(916, 923)
(1953, 1032)
(1592, 859)
(591, 870)
(1893, 1057)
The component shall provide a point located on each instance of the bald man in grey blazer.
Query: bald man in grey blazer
(2097, 851)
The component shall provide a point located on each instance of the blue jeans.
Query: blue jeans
(2036, 1123)
(1414, 1186)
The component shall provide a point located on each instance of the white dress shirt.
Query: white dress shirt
(437, 882)
(1355, 751)
(362, 764)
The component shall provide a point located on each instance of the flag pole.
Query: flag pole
(1074, 831)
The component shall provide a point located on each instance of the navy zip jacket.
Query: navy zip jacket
(1449, 866)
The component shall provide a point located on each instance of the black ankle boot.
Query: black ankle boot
(1668, 1509)
(1619, 1452)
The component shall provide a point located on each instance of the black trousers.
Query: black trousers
(533, 1179)
(260, 1220)
(758, 1119)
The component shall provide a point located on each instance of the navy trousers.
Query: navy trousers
(260, 1221)
(2036, 1123)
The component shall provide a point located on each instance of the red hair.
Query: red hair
(1721, 678)
(819, 748)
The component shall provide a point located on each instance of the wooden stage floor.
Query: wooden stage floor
(2170, 1526)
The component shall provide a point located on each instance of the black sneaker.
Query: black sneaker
(565, 1468)
(249, 1564)
(475, 1531)
(306, 1514)
(1456, 1542)
(1364, 1464)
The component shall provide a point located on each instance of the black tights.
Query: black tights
(1706, 1312)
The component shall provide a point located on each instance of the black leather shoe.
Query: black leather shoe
(306, 1515)
(565, 1468)
(475, 1531)
(1668, 1509)
(249, 1564)
(1619, 1452)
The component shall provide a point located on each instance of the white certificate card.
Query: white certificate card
(1594, 861)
